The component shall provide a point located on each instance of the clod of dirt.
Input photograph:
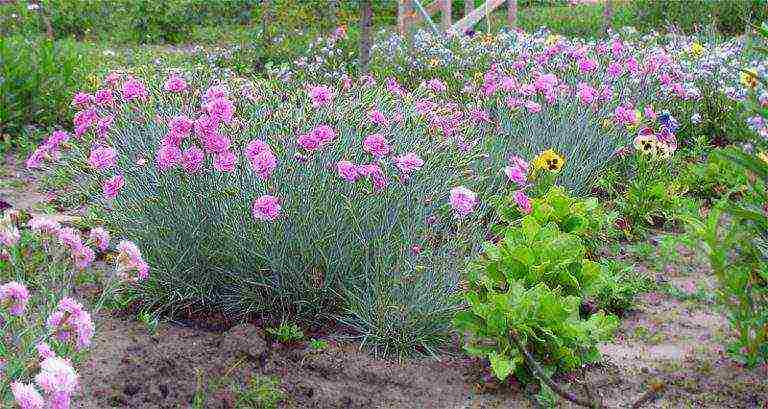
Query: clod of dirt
(244, 339)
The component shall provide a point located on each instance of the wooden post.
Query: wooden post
(266, 16)
(404, 12)
(469, 6)
(512, 13)
(607, 15)
(472, 18)
(366, 21)
(446, 15)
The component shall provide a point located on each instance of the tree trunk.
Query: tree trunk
(366, 21)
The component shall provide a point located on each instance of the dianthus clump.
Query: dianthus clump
(70, 319)
(462, 201)
(15, 297)
(266, 208)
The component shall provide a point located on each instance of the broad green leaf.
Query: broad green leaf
(501, 365)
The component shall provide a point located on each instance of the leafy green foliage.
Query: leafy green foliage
(715, 177)
(532, 283)
(260, 393)
(287, 332)
(652, 195)
(583, 217)
(728, 16)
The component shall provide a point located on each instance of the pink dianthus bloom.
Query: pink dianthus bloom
(102, 158)
(347, 170)
(100, 236)
(264, 163)
(84, 120)
(518, 171)
(70, 318)
(587, 65)
(377, 175)
(175, 83)
(221, 108)
(16, 296)
(436, 85)
(216, 143)
(377, 117)
(134, 89)
(408, 162)
(82, 100)
(59, 380)
(27, 396)
(104, 97)
(545, 82)
(44, 351)
(83, 257)
(225, 161)
(192, 159)
(376, 145)
(112, 186)
(462, 201)
(324, 134)
(180, 125)
(532, 107)
(70, 238)
(586, 93)
(9, 235)
(44, 225)
(254, 148)
(56, 139)
(214, 92)
(308, 141)
(129, 259)
(168, 156)
(522, 201)
(320, 96)
(266, 208)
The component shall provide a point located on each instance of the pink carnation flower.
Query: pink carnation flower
(320, 96)
(214, 92)
(377, 175)
(518, 171)
(522, 201)
(9, 235)
(59, 380)
(532, 107)
(112, 186)
(192, 159)
(16, 296)
(586, 93)
(180, 125)
(102, 158)
(347, 170)
(44, 351)
(220, 108)
(104, 97)
(587, 65)
(377, 117)
(408, 162)
(175, 83)
(308, 141)
(167, 157)
(129, 259)
(376, 145)
(225, 161)
(100, 236)
(83, 257)
(134, 89)
(255, 147)
(266, 208)
(216, 143)
(436, 85)
(44, 225)
(27, 396)
(324, 134)
(264, 163)
(463, 201)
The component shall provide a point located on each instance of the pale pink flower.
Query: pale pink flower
(168, 156)
(44, 225)
(586, 93)
(102, 158)
(377, 117)
(376, 145)
(9, 235)
(347, 170)
(225, 161)
(216, 143)
(320, 95)
(70, 318)
(59, 380)
(192, 159)
(180, 125)
(266, 208)
(83, 257)
(56, 139)
(27, 396)
(408, 162)
(112, 186)
(436, 85)
(463, 201)
(100, 236)
(175, 83)
(134, 89)
(532, 107)
(214, 92)
(545, 82)
(522, 201)
(104, 97)
(129, 259)
(264, 163)
(16, 296)
(35, 160)
(70, 238)
(615, 69)
(205, 126)
(376, 174)
(82, 100)
(221, 108)
(44, 351)
(113, 78)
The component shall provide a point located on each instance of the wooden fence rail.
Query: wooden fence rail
(409, 13)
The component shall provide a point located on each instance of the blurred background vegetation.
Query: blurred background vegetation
(49, 49)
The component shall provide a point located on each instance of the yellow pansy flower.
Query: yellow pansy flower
(697, 49)
(749, 78)
(549, 160)
(763, 157)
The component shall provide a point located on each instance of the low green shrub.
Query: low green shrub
(531, 283)
(727, 16)
(715, 177)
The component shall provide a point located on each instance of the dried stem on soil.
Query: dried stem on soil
(538, 372)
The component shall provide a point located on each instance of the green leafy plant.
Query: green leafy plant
(715, 177)
(530, 284)
(287, 332)
(261, 393)
(583, 217)
(317, 345)
(737, 248)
